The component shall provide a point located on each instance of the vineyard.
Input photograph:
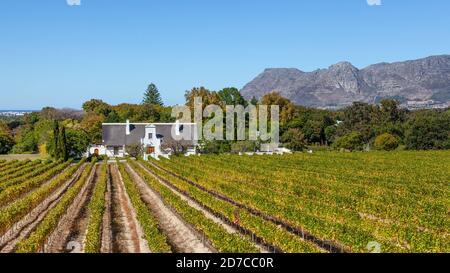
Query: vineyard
(300, 203)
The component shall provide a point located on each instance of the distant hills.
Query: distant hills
(423, 83)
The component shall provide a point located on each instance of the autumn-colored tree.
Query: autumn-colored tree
(92, 125)
(386, 142)
(208, 97)
(97, 106)
(49, 113)
(287, 108)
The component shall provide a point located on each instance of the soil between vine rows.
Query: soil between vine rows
(181, 236)
(28, 223)
(126, 233)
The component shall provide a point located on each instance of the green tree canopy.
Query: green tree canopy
(62, 144)
(351, 141)
(97, 106)
(294, 140)
(386, 142)
(57, 144)
(152, 96)
(428, 130)
(26, 141)
(77, 142)
(6, 143)
(232, 96)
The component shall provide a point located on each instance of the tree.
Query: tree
(112, 117)
(92, 125)
(358, 114)
(62, 145)
(165, 114)
(97, 106)
(386, 142)
(127, 111)
(313, 131)
(42, 130)
(287, 108)
(152, 96)
(135, 150)
(57, 144)
(6, 143)
(4, 129)
(294, 140)
(391, 112)
(254, 101)
(358, 118)
(428, 130)
(48, 113)
(352, 141)
(54, 148)
(275, 98)
(77, 142)
(26, 141)
(208, 97)
(148, 113)
(31, 118)
(232, 96)
(330, 134)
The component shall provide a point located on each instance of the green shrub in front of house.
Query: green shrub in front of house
(386, 142)
(352, 141)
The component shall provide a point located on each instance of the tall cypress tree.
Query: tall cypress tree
(152, 96)
(55, 149)
(59, 142)
(62, 144)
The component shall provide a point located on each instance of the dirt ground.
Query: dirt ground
(183, 238)
(127, 234)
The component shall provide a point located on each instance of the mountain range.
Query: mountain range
(422, 82)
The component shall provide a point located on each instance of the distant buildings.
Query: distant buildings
(427, 104)
(410, 105)
(13, 113)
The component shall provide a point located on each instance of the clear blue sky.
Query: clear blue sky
(60, 55)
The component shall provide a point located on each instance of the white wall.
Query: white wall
(108, 151)
(101, 149)
(152, 142)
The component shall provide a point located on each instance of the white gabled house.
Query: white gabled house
(152, 137)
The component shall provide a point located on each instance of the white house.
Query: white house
(152, 137)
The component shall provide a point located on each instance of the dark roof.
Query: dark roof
(115, 134)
